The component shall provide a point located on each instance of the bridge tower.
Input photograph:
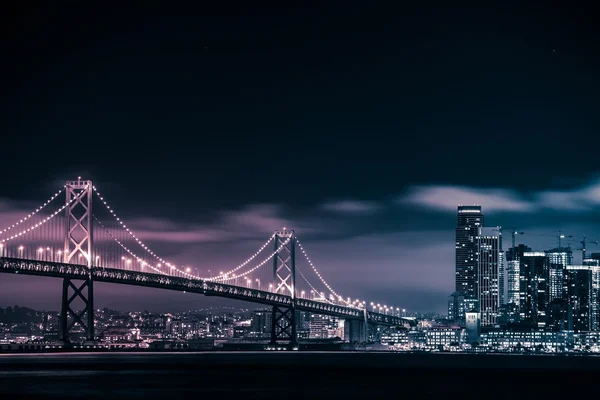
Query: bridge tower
(78, 250)
(283, 323)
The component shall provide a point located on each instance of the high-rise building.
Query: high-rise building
(534, 288)
(513, 261)
(470, 219)
(490, 272)
(595, 298)
(579, 296)
(560, 255)
(593, 259)
(456, 307)
(559, 258)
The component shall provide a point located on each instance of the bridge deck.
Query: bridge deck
(207, 288)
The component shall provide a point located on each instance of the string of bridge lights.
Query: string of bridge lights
(223, 277)
(257, 266)
(242, 265)
(317, 272)
(42, 222)
(37, 210)
(362, 304)
(131, 253)
(311, 286)
(160, 259)
(138, 241)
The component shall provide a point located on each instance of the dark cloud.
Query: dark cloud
(447, 197)
(352, 207)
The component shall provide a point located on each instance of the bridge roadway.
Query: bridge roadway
(207, 288)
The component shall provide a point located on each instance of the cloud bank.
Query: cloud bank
(447, 197)
(351, 207)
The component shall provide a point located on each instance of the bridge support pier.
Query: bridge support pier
(83, 290)
(283, 326)
(355, 331)
(78, 249)
(283, 319)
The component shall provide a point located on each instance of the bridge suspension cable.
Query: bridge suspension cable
(242, 265)
(138, 241)
(37, 210)
(223, 278)
(162, 260)
(42, 222)
(318, 274)
(310, 284)
(131, 253)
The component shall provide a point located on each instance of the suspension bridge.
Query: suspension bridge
(76, 236)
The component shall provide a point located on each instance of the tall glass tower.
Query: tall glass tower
(490, 274)
(470, 219)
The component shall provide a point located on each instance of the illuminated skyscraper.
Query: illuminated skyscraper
(534, 288)
(579, 285)
(559, 258)
(490, 273)
(470, 219)
(513, 260)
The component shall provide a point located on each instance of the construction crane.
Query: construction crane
(583, 242)
(514, 234)
(561, 236)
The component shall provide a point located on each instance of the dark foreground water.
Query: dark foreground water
(318, 375)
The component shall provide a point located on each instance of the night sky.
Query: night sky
(361, 127)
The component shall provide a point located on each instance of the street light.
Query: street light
(302, 294)
(258, 283)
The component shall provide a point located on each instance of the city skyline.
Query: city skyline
(14, 284)
(361, 128)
